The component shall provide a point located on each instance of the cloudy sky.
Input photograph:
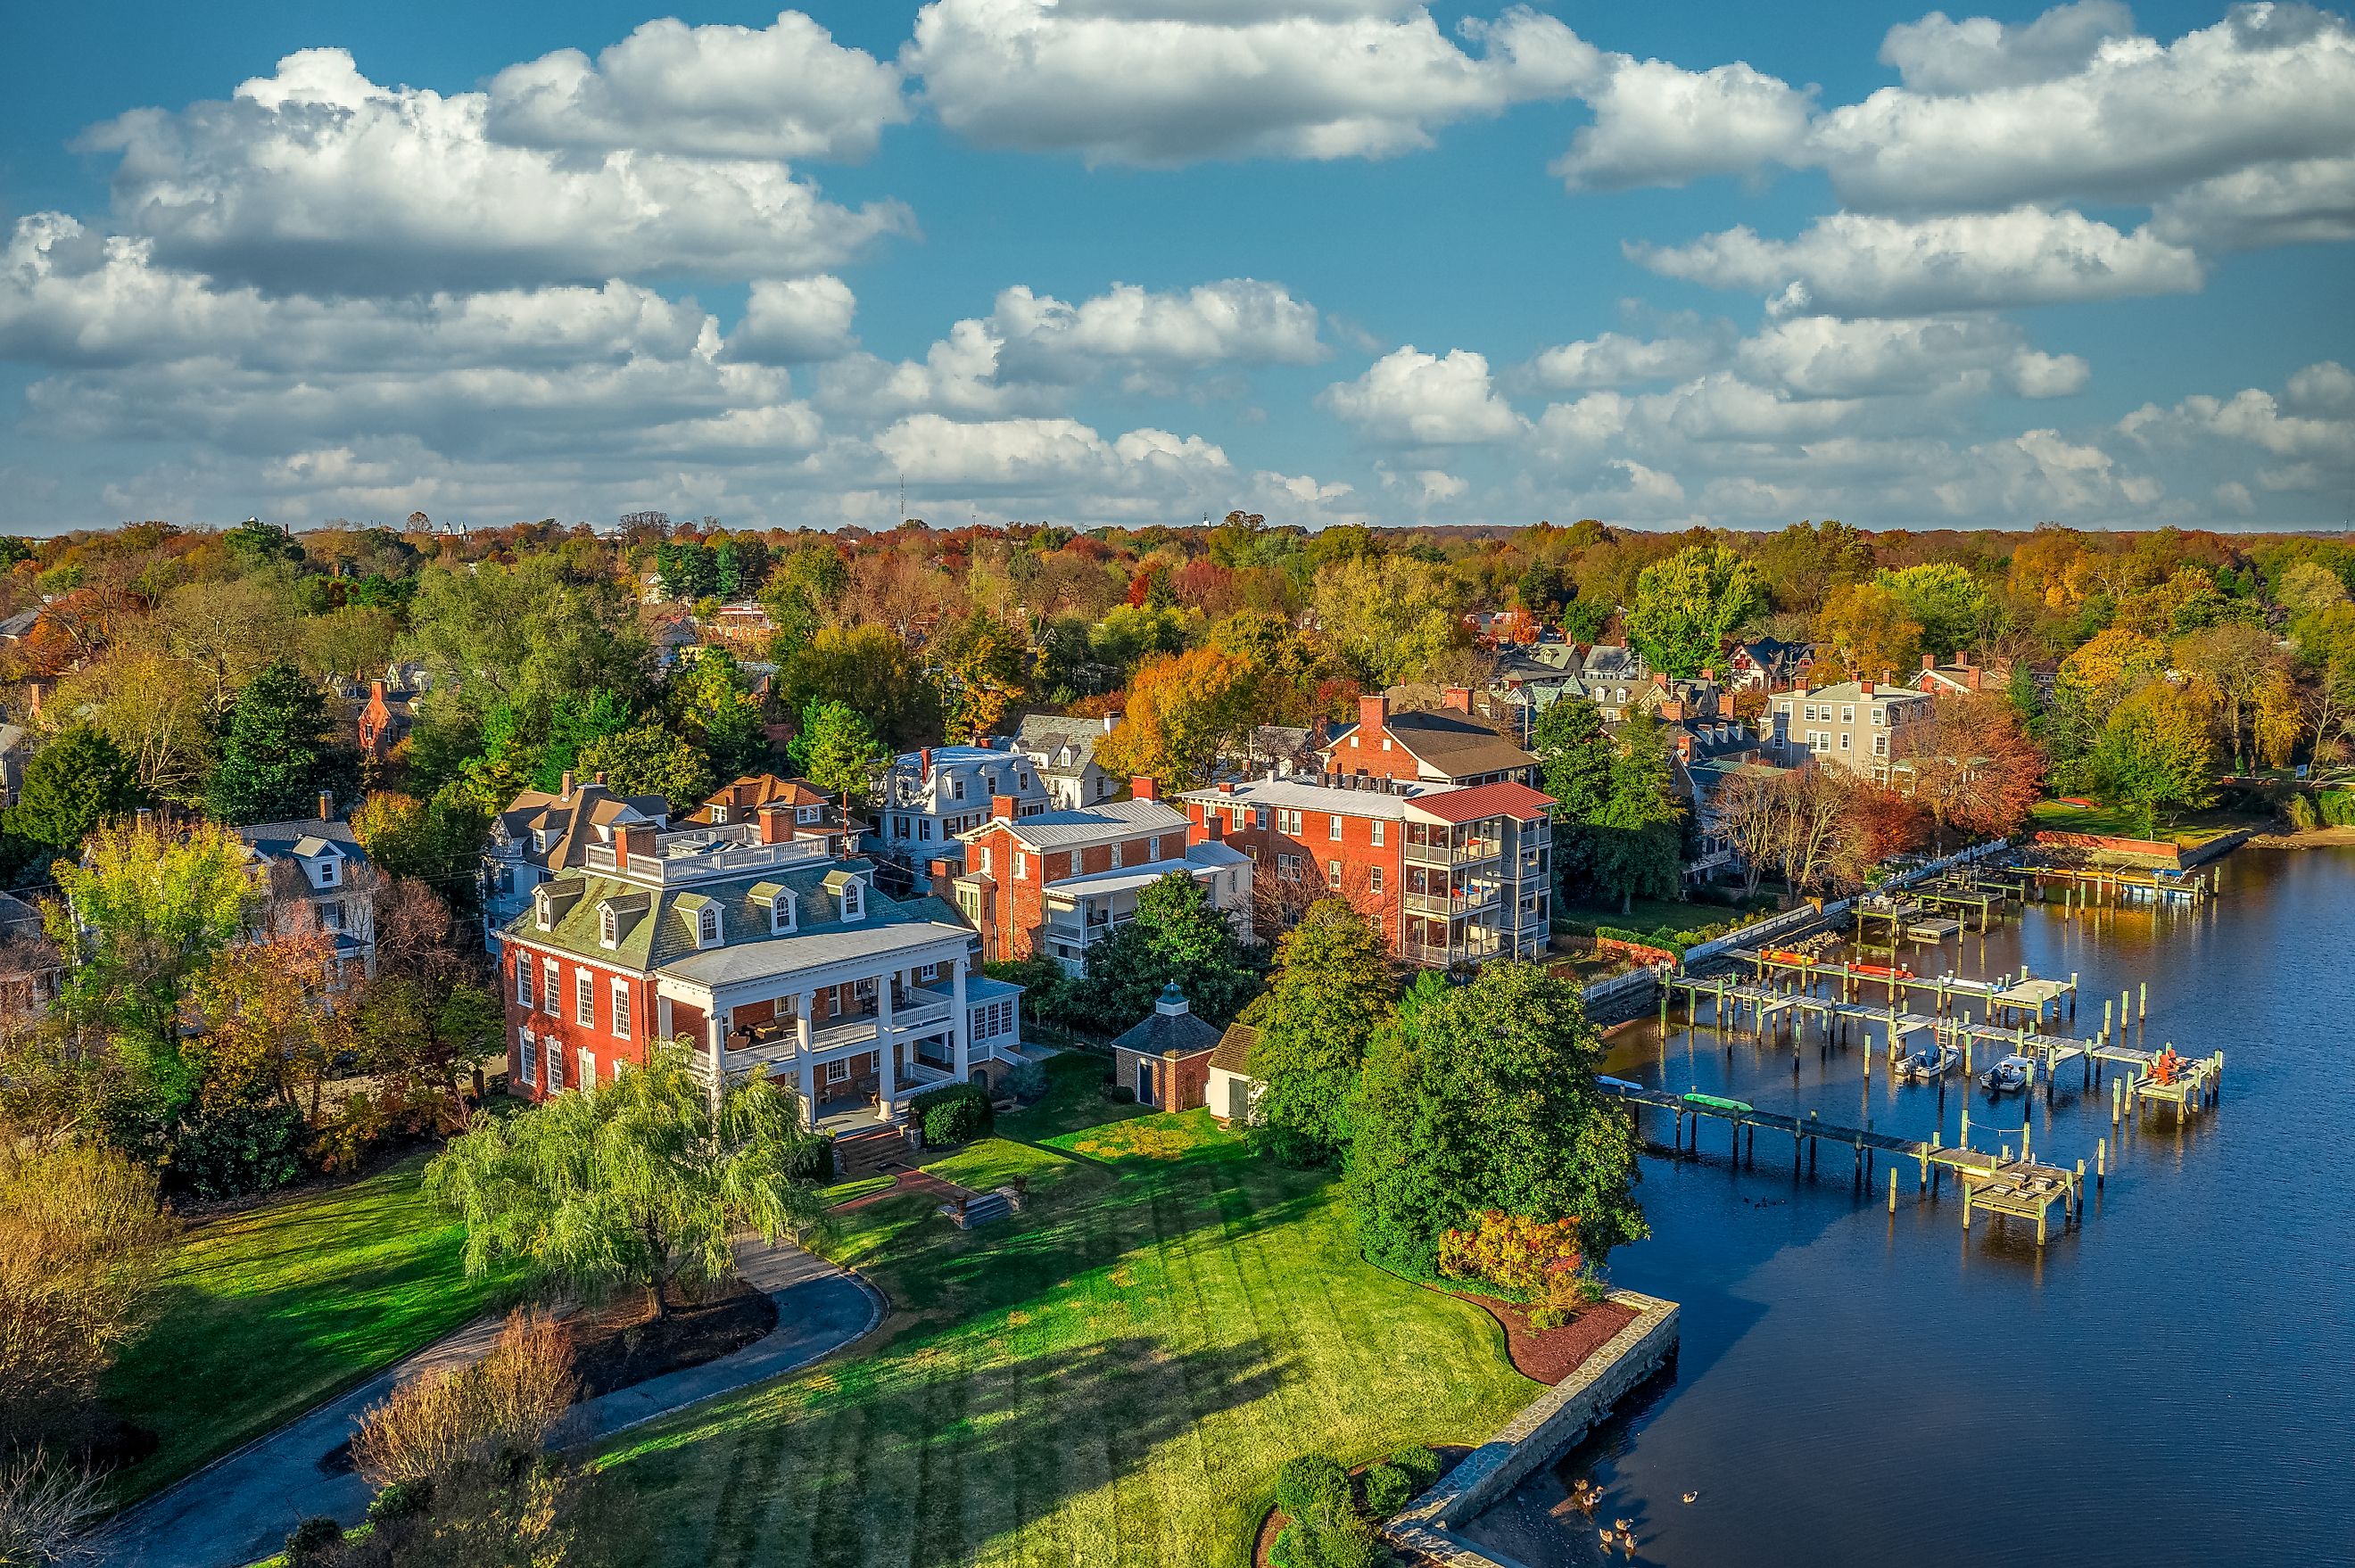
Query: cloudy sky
(1137, 261)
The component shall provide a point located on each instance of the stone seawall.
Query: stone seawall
(1546, 1426)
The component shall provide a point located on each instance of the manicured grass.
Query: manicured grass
(856, 1186)
(2189, 829)
(1074, 1099)
(1111, 1378)
(1651, 914)
(268, 1311)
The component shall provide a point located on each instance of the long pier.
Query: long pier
(1999, 1183)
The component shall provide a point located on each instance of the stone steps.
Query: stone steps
(882, 1152)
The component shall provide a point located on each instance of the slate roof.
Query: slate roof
(305, 836)
(658, 936)
(1165, 1033)
(753, 791)
(1048, 736)
(573, 818)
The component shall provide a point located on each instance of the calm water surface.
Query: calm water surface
(2173, 1383)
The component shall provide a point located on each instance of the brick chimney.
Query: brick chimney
(1112, 721)
(1671, 711)
(1001, 808)
(1142, 787)
(1226, 786)
(924, 760)
(1457, 699)
(776, 820)
(597, 778)
(326, 805)
(376, 691)
(635, 839)
(564, 792)
(1373, 715)
(1864, 687)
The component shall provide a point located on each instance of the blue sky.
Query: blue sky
(1137, 261)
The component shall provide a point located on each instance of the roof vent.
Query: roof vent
(1172, 1003)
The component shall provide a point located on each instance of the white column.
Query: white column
(802, 1054)
(714, 1030)
(885, 1051)
(959, 1021)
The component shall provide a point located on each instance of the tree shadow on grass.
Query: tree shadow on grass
(925, 1457)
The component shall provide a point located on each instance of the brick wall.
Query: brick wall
(562, 1023)
(1315, 845)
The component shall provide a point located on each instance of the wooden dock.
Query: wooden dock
(1997, 1183)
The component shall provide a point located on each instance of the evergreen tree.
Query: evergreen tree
(1575, 757)
(1484, 1097)
(649, 758)
(1333, 990)
(1637, 841)
(714, 708)
(1177, 936)
(573, 723)
(835, 751)
(77, 781)
(278, 753)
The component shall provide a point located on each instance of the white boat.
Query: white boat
(2008, 1076)
(1923, 1066)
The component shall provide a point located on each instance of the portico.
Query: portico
(872, 1028)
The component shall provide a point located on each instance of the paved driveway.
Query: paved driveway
(239, 1508)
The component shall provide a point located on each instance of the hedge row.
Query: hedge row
(952, 1114)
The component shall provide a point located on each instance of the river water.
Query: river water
(2172, 1384)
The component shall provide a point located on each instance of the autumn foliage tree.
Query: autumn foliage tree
(1972, 767)
(1184, 710)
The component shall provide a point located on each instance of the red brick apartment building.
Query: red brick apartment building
(1451, 873)
(1057, 881)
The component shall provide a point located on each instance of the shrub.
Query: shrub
(81, 1236)
(952, 1114)
(506, 1403)
(249, 1144)
(313, 1543)
(2339, 808)
(2302, 813)
(1421, 1464)
(44, 1511)
(1535, 1262)
(1315, 1489)
(1388, 1487)
(1119, 1094)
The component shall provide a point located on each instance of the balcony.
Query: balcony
(1464, 903)
(1471, 852)
(693, 857)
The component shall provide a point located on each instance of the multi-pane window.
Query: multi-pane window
(621, 1010)
(523, 979)
(1376, 826)
(550, 999)
(1374, 881)
(584, 998)
(1333, 827)
(527, 1057)
(1287, 820)
(588, 1079)
(1333, 874)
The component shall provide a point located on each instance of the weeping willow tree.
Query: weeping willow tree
(635, 1183)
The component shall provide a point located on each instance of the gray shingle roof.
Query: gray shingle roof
(1091, 823)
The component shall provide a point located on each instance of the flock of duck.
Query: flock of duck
(1585, 1495)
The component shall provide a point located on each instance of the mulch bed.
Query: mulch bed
(623, 1344)
(1549, 1354)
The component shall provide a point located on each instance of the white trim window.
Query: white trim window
(1333, 827)
(584, 998)
(621, 1008)
(551, 988)
(854, 899)
(1374, 881)
(1021, 866)
(522, 978)
(588, 1075)
(707, 925)
(1376, 826)
(609, 927)
(1332, 875)
(781, 914)
(555, 1067)
(837, 1071)
(526, 1056)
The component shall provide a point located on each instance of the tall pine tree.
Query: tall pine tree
(279, 752)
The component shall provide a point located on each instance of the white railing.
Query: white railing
(701, 860)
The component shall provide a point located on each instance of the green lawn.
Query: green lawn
(1111, 1378)
(1074, 1099)
(1650, 914)
(2188, 829)
(268, 1311)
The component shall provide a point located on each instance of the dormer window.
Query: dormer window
(780, 914)
(706, 924)
(541, 837)
(541, 914)
(327, 872)
(609, 927)
(957, 789)
(853, 900)
(718, 814)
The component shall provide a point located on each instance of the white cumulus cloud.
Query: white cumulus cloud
(1409, 397)
(787, 90)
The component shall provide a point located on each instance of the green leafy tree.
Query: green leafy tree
(650, 758)
(280, 751)
(2156, 752)
(1484, 1097)
(636, 1182)
(77, 781)
(1690, 605)
(1637, 835)
(1576, 758)
(835, 751)
(977, 664)
(1333, 990)
(573, 723)
(1953, 608)
(145, 912)
(256, 546)
(715, 709)
(871, 669)
(1180, 937)
(799, 592)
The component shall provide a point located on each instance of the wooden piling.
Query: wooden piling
(2100, 1161)
(1892, 1192)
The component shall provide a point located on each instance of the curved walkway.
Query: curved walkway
(239, 1508)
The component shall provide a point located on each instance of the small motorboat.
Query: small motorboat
(1924, 1066)
(2008, 1076)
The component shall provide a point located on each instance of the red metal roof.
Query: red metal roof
(1504, 799)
